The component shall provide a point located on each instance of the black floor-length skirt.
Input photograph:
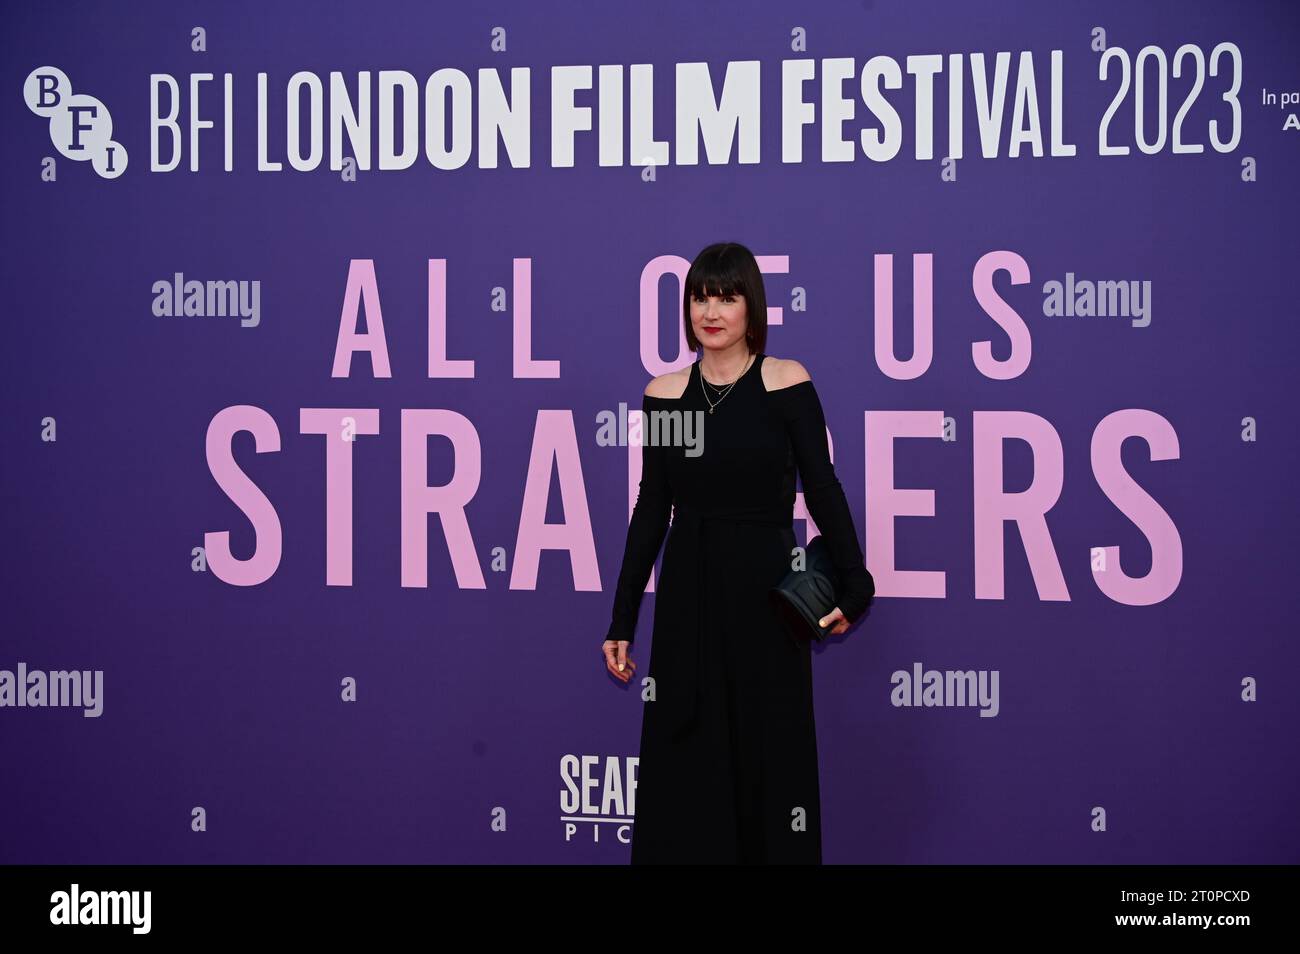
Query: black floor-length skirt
(728, 770)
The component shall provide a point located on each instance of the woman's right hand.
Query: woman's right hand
(616, 660)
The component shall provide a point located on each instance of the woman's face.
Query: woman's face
(719, 321)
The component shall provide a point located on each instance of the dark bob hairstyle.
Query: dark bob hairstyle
(728, 268)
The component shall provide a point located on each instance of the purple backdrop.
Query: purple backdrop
(473, 704)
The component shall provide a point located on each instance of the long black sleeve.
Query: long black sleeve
(806, 425)
(645, 531)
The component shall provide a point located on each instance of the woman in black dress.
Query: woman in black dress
(728, 757)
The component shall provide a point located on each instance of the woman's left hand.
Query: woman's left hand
(841, 624)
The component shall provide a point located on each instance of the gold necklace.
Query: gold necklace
(728, 387)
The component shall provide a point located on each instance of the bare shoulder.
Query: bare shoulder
(670, 385)
(781, 373)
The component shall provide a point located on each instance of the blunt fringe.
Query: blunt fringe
(727, 268)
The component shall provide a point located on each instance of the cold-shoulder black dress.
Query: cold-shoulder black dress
(728, 760)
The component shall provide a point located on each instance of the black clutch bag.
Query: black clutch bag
(804, 596)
